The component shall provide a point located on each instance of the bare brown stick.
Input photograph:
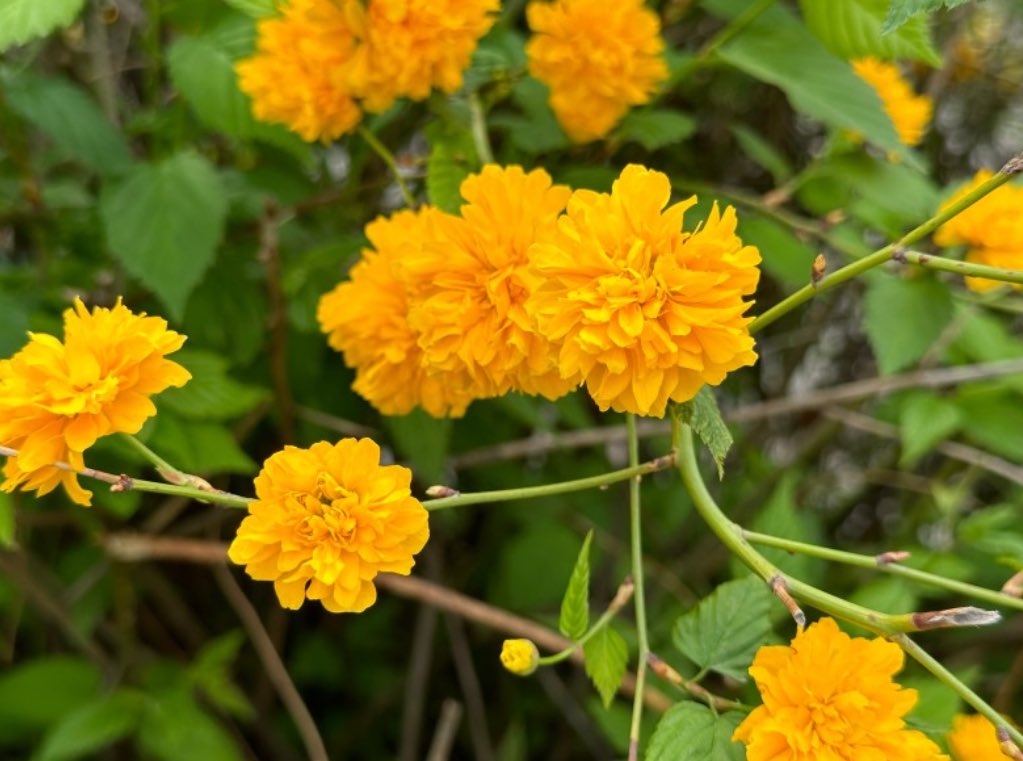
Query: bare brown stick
(269, 255)
(99, 475)
(415, 686)
(447, 727)
(472, 693)
(272, 663)
(334, 423)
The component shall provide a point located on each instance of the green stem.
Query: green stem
(734, 27)
(636, 533)
(479, 130)
(563, 487)
(866, 561)
(601, 622)
(930, 663)
(388, 158)
(219, 497)
(966, 269)
(880, 256)
(163, 467)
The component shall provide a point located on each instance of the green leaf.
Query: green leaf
(424, 441)
(199, 447)
(164, 222)
(23, 20)
(69, 117)
(452, 159)
(785, 256)
(701, 413)
(210, 673)
(655, 128)
(993, 420)
(575, 606)
(901, 11)
(762, 152)
(778, 48)
(606, 656)
(925, 420)
(903, 318)
(254, 8)
(30, 701)
(692, 732)
(537, 131)
(92, 727)
(724, 630)
(211, 394)
(8, 525)
(780, 516)
(175, 727)
(885, 595)
(852, 29)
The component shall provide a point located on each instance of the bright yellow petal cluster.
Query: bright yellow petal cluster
(992, 229)
(520, 656)
(830, 697)
(909, 112)
(297, 76)
(366, 318)
(471, 282)
(973, 738)
(319, 63)
(57, 398)
(598, 59)
(327, 520)
(644, 312)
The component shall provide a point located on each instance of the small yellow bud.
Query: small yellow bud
(520, 656)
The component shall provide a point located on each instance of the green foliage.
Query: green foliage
(196, 446)
(722, 633)
(24, 20)
(254, 8)
(211, 394)
(607, 654)
(924, 311)
(655, 128)
(423, 441)
(452, 159)
(8, 524)
(175, 727)
(852, 29)
(692, 732)
(701, 413)
(925, 421)
(92, 727)
(901, 11)
(29, 701)
(575, 606)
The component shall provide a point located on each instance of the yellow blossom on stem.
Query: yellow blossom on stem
(366, 318)
(599, 59)
(520, 656)
(642, 311)
(992, 229)
(831, 697)
(469, 284)
(973, 738)
(327, 520)
(58, 398)
(909, 112)
(297, 76)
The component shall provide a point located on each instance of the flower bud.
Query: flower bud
(520, 656)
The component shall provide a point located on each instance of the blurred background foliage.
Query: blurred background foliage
(130, 165)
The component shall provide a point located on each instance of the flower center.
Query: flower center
(331, 511)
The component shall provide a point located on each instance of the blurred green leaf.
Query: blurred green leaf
(925, 420)
(692, 732)
(199, 447)
(575, 606)
(887, 595)
(852, 29)
(724, 631)
(164, 222)
(606, 657)
(785, 256)
(701, 413)
(174, 727)
(995, 531)
(210, 672)
(423, 441)
(255, 8)
(993, 420)
(23, 20)
(762, 152)
(780, 516)
(901, 11)
(30, 701)
(90, 728)
(211, 394)
(655, 128)
(904, 317)
(452, 159)
(537, 130)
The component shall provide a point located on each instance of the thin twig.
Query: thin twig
(447, 728)
(269, 255)
(334, 423)
(475, 705)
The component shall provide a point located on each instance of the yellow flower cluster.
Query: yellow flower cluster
(57, 398)
(316, 62)
(909, 112)
(973, 738)
(599, 59)
(829, 696)
(992, 229)
(326, 521)
(536, 289)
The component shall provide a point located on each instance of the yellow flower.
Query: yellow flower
(57, 399)
(598, 59)
(327, 520)
(992, 229)
(366, 318)
(973, 738)
(297, 76)
(830, 697)
(909, 112)
(411, 46)
(470, 283)
(520, 656)
(643, 311)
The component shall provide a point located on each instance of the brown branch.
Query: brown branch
(447, 728)
(334, 423)
(269, 255)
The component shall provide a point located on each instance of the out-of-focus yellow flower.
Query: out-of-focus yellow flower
(643, 311)
(829, 696)
(409, 47)
(599, 59)
(57, 399)
(298, 76)
(470, 284)
(992, 229)
(520, 656)
(366, 318)
(909, 112)
(327, 520)
(973, 738)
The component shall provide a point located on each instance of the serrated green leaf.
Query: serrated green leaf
(575, 606)
(69, 117)
(925, 420)
(24, 20)
(254, 8)
(211, 394)
(164, 222)
(655, 128)
(606, 657)
(724, 630)
(852, 29)
(692, 732)
(903, 318)
(452, 159)
(90, 728)
(901, 11)
(701, 413)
